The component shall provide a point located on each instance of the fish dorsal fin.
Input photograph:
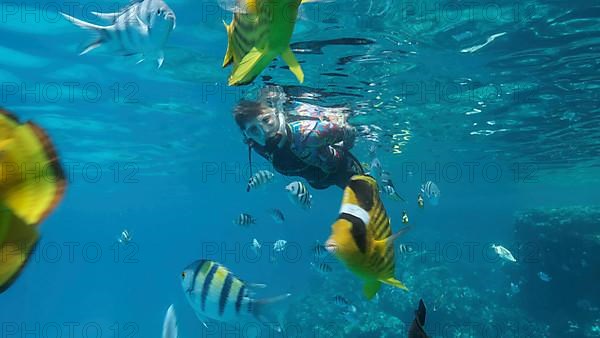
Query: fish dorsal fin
(108, 16)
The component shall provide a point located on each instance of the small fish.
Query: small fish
(260, 178)
(215, 293)
(388, 187)
(503, 252)
(404, 217)
(143, 28)
(514, 288)
(170, 323)
(347, 309)
(322, 267)
(403, 248)
(259, 34)
(319, 250)
(125, 237)
(376, 169)
(420, 201)
(544, 276)
(279, 245)
(277, 216)
(255, 245)
(361, 237)
(432, 192)
(244, 220)
(299, 195)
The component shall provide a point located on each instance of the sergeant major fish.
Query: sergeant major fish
(258, 35)
(277, 216)
(143, 27)
(299, 195)
(244, 220)
(362, 238)
(260, 178)
(215, 293)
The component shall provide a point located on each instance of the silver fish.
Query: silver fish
(322, 268)
(215, 293)
(260, 178)
(277, 216)
(125, 237)
(299, 195)
(170, 323)
(143, 27)
(244, 219)
(279, 245)
(432, 192)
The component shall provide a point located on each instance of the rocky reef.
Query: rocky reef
(559, 269)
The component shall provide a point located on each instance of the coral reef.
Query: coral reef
(563, 244)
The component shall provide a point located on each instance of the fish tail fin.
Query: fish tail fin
(101, 31)
(265, 310)
(250, 67)
(290, 59)
(394, 282)
(371, 288)
(228, 59)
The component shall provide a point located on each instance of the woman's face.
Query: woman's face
(262, 128)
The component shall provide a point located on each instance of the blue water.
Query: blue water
(156, 151)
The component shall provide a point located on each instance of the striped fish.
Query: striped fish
(362, 237)
(260, 178)
(277, 216)
(258, 35)
(143, 27)
(432, 192)
(215, 293)
(299, 195)
(244, 220)
(388, 187)
(322, 268)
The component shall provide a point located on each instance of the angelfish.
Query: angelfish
(361, 237)
(143, 27)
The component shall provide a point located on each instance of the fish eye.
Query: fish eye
(183, 274)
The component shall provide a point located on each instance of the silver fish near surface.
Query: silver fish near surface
(215, 293)
(259, 179)
(143, 27)
(244, 220)
(299, 195)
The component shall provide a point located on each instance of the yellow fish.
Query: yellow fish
(362, 238)
(31, 185)
(259, 35)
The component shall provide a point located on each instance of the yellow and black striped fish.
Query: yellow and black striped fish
(215, 293)
(362, 238)
(259, 35)
(31, 186)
